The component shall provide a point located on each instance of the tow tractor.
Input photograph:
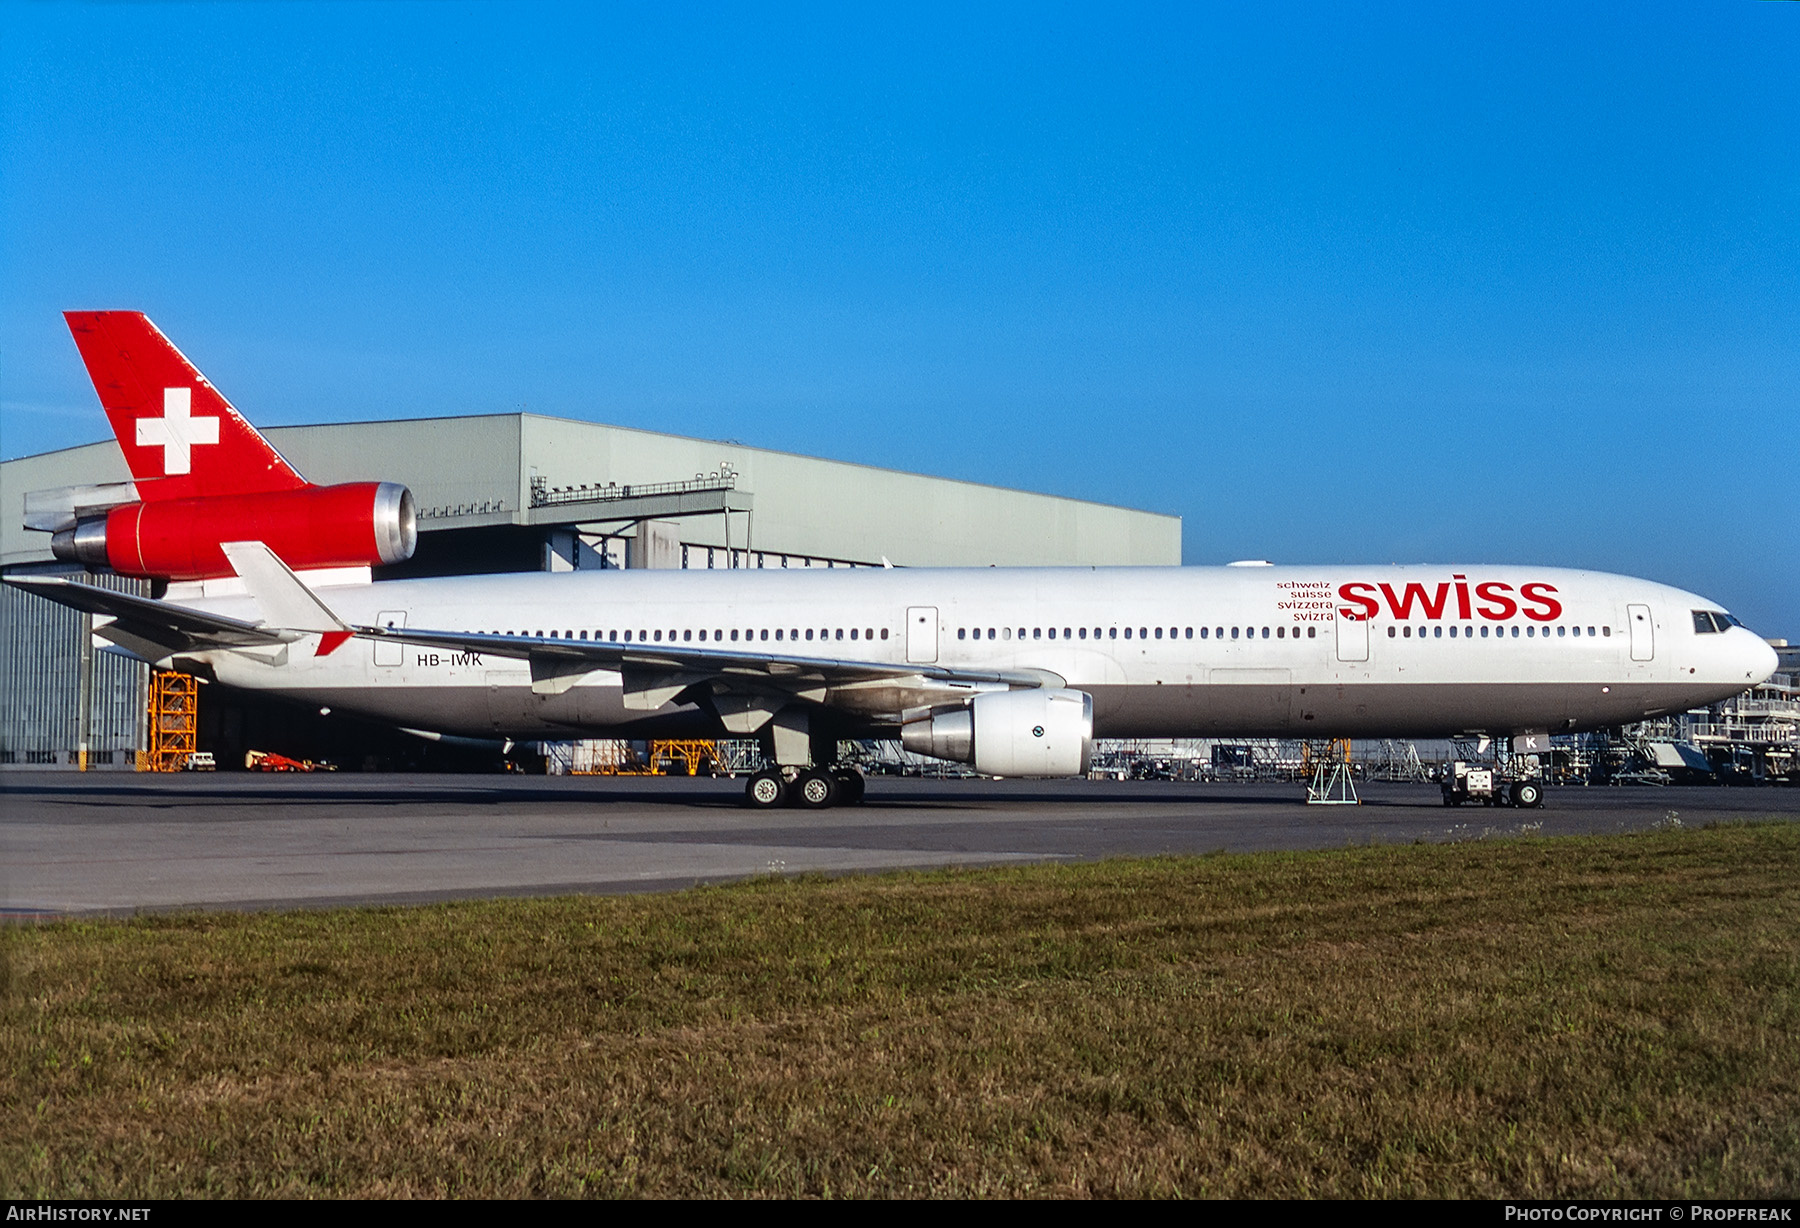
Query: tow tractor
(1513, 778)
(1470, 782)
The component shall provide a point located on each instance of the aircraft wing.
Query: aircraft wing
(154, 630)
(737, 681)
(556, 664)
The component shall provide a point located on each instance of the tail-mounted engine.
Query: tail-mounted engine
(359, 524)
(1011, 733)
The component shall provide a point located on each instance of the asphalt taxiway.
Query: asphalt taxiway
(120, 843)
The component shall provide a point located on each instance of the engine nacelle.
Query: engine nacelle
(358, 524)
(1011, 733)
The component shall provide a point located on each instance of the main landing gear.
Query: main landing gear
(812, 788)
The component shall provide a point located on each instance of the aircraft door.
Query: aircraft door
(1643, 634)
(1352, 637)
(922, 634)
(390, 652)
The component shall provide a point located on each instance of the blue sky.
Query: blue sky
(1331, 282)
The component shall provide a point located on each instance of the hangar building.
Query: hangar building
(524, 492)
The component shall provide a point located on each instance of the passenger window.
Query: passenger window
(1561, 631)
(1006, 633)
(1084, 633)
(1159, 633)
(734, 635)
(840, 633)
(1203, 633)
(1128, 633)
(1265, 633)
(778, 633)
(1113, 634)
(687, 635)
(1515, 633)
(1143, 633)
(1190, 633)
(1234, 633)
(1312, 633)
(962, 633)
(1605, 631)
(809, 633)
(1391, 634)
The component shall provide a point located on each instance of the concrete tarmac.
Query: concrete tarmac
(119, 843)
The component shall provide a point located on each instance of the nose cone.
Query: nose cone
(1758, 659)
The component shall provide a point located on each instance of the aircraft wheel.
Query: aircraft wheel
(766, 790)
(816, 789)
(1528, 794)
(850, 788)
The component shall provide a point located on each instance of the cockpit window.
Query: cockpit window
(1703, 624)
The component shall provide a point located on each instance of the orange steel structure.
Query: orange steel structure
(173, 723)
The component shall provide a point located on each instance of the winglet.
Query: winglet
(285, 600)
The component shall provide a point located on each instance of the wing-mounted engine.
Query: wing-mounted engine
(1011, 733)
(358, 524)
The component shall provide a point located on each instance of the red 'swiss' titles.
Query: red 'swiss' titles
(1455, 598)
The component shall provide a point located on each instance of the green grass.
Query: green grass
(1579, 1017)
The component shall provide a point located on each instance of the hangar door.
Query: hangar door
(921, 634)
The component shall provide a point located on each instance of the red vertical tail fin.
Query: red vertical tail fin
(180, 436)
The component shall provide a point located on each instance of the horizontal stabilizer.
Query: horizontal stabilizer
(145, 626)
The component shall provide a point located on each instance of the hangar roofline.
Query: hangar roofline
(274, 428)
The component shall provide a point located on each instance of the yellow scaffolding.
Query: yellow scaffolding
(665, 757)
(692, 754)
(173, 721)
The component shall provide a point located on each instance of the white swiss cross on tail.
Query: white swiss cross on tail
(177, 431)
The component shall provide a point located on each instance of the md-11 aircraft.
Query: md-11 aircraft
(1014, 671)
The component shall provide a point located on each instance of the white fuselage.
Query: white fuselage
(1164, 652)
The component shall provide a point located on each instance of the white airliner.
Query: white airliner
(1014, 671)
